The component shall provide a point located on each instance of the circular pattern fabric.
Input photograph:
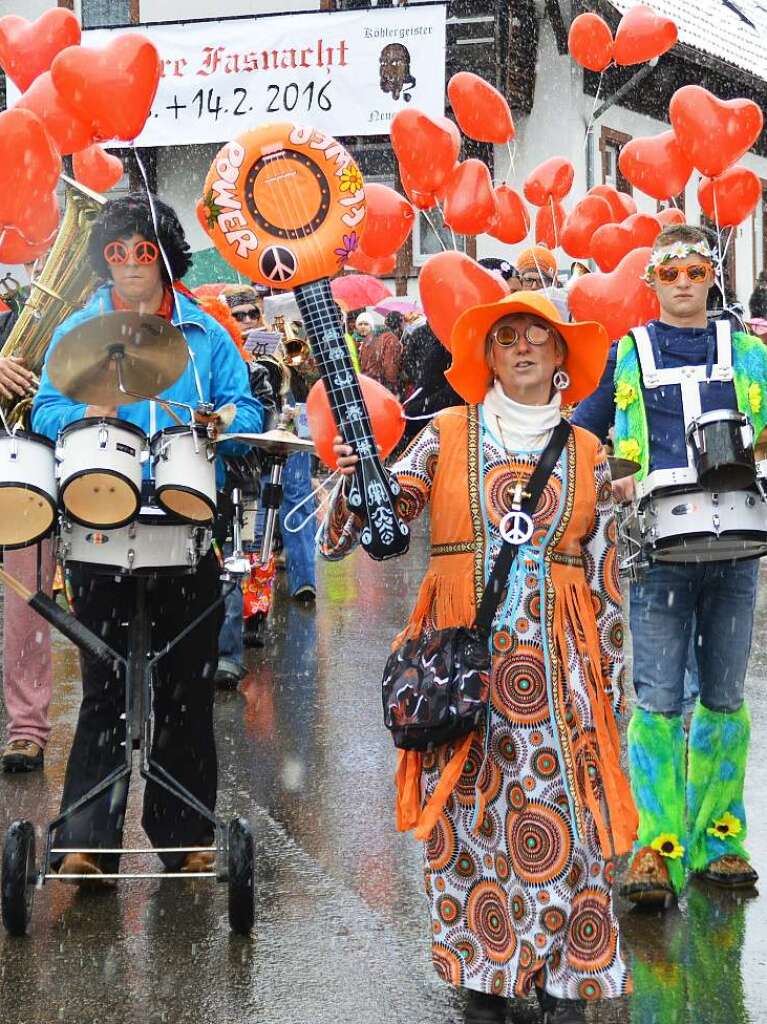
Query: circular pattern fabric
(489, 920)
(540, 843)
(467, 780)
(592, 936)
(518, 686)
(447, 963)
(466, 945)
(440, 846)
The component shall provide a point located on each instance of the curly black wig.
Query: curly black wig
(132, 215)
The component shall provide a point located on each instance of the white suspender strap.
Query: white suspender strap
(723, 368)
(650, 376)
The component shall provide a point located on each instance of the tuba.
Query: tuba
(64, 284)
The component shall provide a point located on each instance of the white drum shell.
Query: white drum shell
(103, 451)
(28, 489)
(697, 526)
(185, 474)
(146, 546)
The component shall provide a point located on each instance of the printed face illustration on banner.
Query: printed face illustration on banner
(395, 71)
(284, 204)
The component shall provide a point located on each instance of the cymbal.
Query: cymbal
(273, 442)
(152, 352)
(619, 468)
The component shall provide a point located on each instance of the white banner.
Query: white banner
(346, 74)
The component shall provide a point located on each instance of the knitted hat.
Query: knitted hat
(537, 257)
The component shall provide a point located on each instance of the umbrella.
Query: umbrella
(356, 291)
(396, 305)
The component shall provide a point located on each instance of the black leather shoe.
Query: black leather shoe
(484, 1008)
(251, 634)
(565, 1011)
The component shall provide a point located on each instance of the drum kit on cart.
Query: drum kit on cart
(712, 510)
(90, 492)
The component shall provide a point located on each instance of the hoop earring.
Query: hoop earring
(561, 380)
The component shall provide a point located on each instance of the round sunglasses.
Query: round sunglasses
(506, 335)
(144, 253)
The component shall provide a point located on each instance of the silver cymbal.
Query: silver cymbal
(273, 442)
(620, 468)
(152, 354)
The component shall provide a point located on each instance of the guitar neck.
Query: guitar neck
(326, 335)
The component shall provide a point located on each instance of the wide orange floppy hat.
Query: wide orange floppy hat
(469, 374)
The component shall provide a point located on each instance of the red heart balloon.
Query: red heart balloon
(622, 206)
(27, 48)
(97, 169)
(549, 222)
(657, 166)
(68, 131)
(586, 217)
(713, 133)
(111, 87)
(730, 198)
(426, 148)
(382, 267)
(612, 242)
(671, 215)
(420, 200)
(552, 179)
(512, 221)
(619, 300)
(16, 250)
(470, 206)
(590, 42)
(643, 35)
(39, 221)
(388, 220)
(29, 172)
(451, 282)
(481, 111)
(386, 418)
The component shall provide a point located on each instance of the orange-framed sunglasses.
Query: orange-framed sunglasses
(696, 273)
(117, 253)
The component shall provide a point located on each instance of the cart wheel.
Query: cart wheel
(18, 878)
(242, 870)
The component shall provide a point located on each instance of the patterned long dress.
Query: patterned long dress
(519, 866)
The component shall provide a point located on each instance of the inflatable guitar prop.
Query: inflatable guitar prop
(285, 206)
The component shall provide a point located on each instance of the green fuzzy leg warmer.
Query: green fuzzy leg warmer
(718, 749)
(656, 746)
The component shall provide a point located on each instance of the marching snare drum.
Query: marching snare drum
(185, 473)
(27, 488)
(722, 442)
(100, 466)
(152, 545)
(695, 526)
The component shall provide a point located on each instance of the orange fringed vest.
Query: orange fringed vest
(448, 597)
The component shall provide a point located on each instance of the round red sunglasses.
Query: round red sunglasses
(117, 253)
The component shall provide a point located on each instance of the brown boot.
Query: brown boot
(647, 881)
(22, 756)
(80, 864)
(730, 872)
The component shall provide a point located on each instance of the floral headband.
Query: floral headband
(677, 251)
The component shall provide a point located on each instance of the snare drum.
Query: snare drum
(152, 545)
(185, 473)
(722, 442)
(100, 466)
(27, 488)
(695, 526)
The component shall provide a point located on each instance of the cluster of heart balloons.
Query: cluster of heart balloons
(73, 98)
(642, 35)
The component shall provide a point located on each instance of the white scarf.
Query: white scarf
(522, 427)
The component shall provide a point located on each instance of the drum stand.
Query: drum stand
(233, 844)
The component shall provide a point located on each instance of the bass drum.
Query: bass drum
(152, 545)
(695, 526)
(28, 492)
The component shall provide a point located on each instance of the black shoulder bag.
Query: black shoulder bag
(436, 686)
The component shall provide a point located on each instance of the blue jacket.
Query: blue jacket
(222, 372)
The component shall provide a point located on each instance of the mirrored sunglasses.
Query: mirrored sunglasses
(507, 335)
(696, 273)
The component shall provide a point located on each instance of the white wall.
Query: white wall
(29, 9)
(176, 10)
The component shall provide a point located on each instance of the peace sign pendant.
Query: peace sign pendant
(517, 527)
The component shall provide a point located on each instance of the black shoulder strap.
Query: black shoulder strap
(492, 595)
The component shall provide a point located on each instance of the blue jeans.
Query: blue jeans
(299, 547)
(717, 600)
(231, 650)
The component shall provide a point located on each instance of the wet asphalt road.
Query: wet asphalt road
(342, 932)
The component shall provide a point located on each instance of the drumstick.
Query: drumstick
(66, 623)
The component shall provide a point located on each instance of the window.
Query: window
(430, 236)
(611, 143)
(97, 13)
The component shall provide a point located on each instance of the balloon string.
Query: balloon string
(720, 252)
(554, 222)
(411, 397)
(594, 106)
(512, 160)
(436, 233)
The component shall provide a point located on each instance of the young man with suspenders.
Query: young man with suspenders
(658, 379)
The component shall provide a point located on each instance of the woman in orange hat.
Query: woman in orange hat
(520, 850)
